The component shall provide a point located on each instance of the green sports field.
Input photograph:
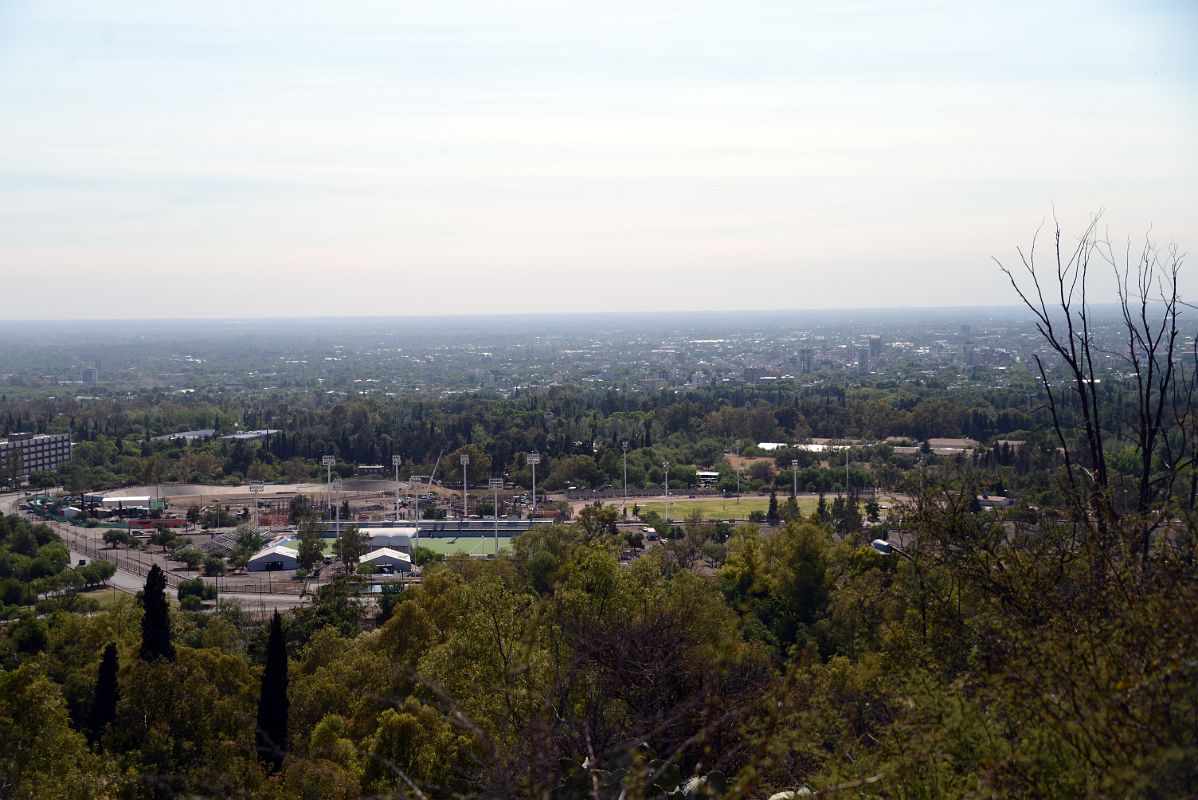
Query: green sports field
(717, 508)
(470, 545)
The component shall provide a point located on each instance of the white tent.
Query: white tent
(387, 560)
(275, 558)
(394, 538)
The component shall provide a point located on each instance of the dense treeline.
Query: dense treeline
(579, 433)
(976, 667)
(35, 563)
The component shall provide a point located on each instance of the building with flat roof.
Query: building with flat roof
(23, 453)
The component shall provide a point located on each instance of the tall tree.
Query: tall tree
(271, 737)
(156, 619)
(771, 515)
(1159, 425)
(103, 710)
(311, 548)
(351, 546)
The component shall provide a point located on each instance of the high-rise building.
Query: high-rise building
(875, 346)
(863, 360)
(23, 453)
(806, 360)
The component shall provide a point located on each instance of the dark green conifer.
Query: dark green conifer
(103, 710)
(271, 737)
(156, 619)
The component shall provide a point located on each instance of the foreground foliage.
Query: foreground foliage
(989, 665)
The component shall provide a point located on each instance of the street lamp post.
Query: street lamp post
(395, 462)
(886, 548)
(624, 445)
(465, 463)
(666, 466)
(534, 459)
(495, 484)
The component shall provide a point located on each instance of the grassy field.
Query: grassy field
(716, 508)
(105, 596)
(470, 545)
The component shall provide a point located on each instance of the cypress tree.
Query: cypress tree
(771, 515)
(103, 710)
(156, 619)
(271, 737)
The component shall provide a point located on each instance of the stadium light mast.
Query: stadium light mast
(328, 462)
(465, 459)
(337, 507)
(495, 484)
(794, 474)
(395, 462)
(533, 459)
(624, 445)
(256, 489)
(666, 466)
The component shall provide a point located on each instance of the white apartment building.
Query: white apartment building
(34, 452)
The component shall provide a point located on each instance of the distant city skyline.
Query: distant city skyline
(381, 158)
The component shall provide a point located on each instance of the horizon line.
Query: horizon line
(538, 314)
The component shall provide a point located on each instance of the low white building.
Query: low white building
(274, 559)
(387, 560)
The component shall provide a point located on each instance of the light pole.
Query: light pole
(794, 474)
(465, 459)
(415, 484)
(533, 459)
(495, 484)
(337, 508)
(666, 466)
(328, 462)
(256, 489)
(395, 462)
(738, 485)
(886, 548)
(624, 445)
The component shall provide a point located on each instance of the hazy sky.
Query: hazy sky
(309, 158)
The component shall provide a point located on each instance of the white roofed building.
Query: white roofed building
(395, 538)
(387, 560)
(274, 558)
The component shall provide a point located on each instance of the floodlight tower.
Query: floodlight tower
(624, 446)
(465, 463)
(256, 489)
(666, 466)
(337, 507)
(533, 459)
(495, 484)
(328, 462)
(395, 462)
(794, 474)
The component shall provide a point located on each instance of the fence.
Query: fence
(134, 561)
(139, 563)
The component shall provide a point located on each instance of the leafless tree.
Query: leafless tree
(1158, 420)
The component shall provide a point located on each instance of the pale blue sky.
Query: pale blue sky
(304, 158)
